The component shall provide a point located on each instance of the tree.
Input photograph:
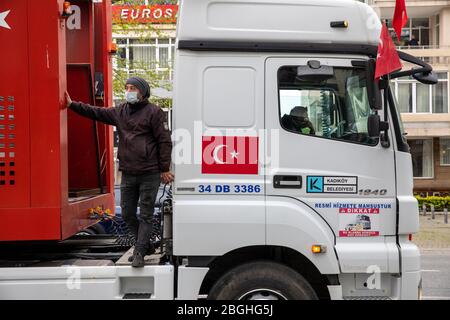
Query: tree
(125, 67)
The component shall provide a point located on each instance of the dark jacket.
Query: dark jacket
(145, 144)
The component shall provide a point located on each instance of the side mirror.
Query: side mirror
(373, 90)
(426, 78)
(373, 126)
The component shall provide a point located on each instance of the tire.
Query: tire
(262, 280)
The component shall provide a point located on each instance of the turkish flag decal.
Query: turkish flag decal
(229, 155)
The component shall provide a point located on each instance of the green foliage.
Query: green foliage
(163, 103)
(439, 202)
(141, 69)
(125, 68)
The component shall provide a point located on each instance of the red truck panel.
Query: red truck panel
(47, 80)
(14, 108)
(41, 145)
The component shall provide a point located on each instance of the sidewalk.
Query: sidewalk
(434, 234)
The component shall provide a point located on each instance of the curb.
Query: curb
(443, 250)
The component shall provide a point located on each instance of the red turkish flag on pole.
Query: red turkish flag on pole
(387, 57)
(400, 17)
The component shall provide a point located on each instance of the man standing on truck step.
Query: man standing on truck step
(144, 153)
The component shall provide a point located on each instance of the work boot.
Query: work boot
(138, 260)
(131, 258)
(151, 250)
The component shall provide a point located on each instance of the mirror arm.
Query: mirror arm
(425, 67)
(409, 72)
(414, 60)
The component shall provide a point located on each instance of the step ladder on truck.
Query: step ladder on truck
(293, 177)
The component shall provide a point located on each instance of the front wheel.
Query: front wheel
(262, 280)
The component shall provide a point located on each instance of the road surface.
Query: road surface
(436, 274)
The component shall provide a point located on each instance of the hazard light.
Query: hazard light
(318, 249)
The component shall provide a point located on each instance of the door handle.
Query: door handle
(287, 182)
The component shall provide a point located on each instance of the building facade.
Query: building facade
(144, 31)
(424, 108)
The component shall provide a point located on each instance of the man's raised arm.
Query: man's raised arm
(105, 115)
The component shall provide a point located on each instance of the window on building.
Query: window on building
(120, 59)
(416, 97)
(172, 48)
(444, 151)
(145, 54)
(164, 46)
(420, 29)
(416, 28)
(404, 96)
(437, 33)
(440, 94)
(422, 97)
(422, 157)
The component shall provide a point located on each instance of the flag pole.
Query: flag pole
(385, 141)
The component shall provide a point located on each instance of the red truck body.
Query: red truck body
(54, 164)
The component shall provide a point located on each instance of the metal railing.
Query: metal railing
(425, 47)
(432, 54)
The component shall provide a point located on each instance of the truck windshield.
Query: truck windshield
(400, 135)
(397, 112)
(335, 108)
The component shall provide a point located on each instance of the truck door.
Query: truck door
(320, 155)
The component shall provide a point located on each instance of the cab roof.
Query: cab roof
(282, 21)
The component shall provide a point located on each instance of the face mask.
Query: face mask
(131, 97)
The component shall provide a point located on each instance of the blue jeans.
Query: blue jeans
(143, 187)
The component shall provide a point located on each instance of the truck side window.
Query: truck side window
(334, 108)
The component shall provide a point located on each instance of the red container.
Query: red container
(54, 164)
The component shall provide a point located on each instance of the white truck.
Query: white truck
(281, 138)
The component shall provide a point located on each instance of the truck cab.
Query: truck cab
(293, 178)
(276, 102)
